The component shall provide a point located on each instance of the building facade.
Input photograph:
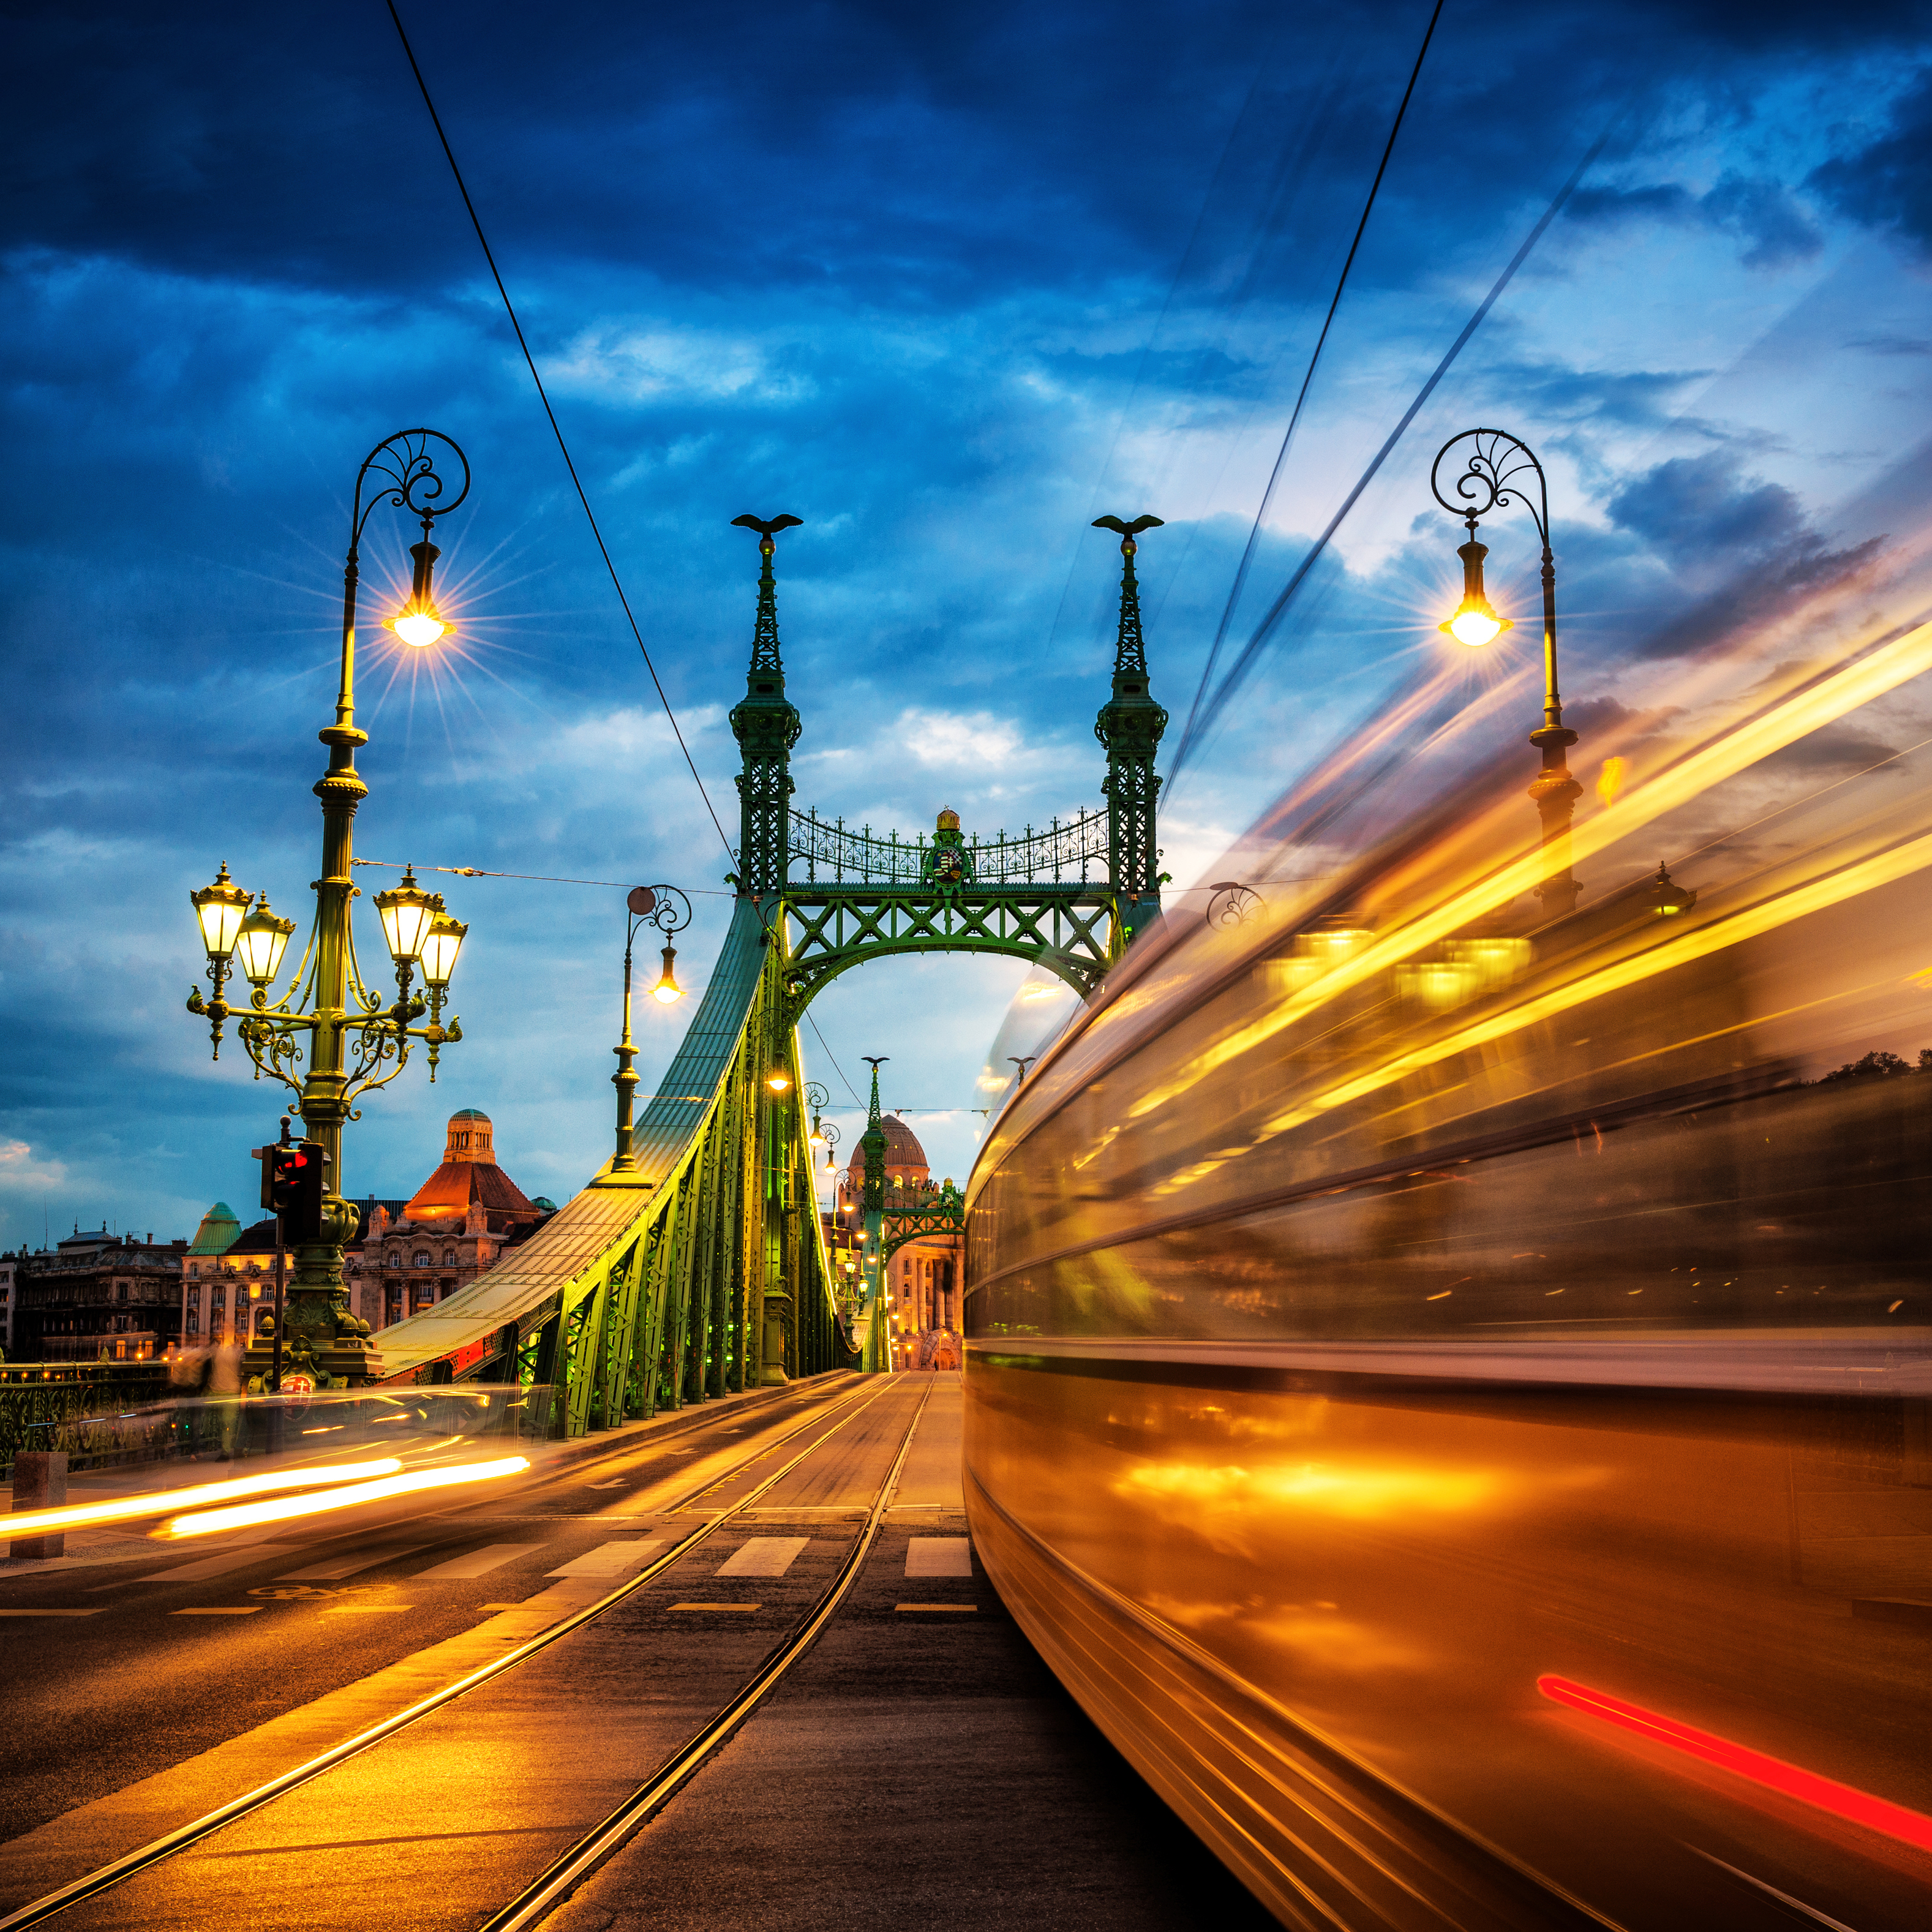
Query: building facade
(227, 1279)
(408, 1255)
(97, 1296)
(923, 1279)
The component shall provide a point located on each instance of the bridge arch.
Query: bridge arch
(693, 1265)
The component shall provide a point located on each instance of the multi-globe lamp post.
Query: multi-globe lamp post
(345, 1038)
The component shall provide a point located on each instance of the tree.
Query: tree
(1878, 1065)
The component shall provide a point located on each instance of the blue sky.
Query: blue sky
(946, 286)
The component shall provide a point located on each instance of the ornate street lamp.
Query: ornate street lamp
(1492, 473)
(668, 909)
(351, 1040)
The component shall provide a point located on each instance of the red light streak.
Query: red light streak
(1842, 1801)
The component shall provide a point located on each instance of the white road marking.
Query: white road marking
(213, 1566)
(621, 1483)
(764, 1556)
(365, 1610)
(477, 1563)
(334, 1567)
(225, 1610)
(610, 1559)
(939, 1556)
(94, 1612)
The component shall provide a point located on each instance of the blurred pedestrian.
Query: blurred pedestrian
(223, 1390)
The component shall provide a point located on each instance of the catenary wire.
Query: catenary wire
(1295, 417)
(543, 396)
(1237, 672)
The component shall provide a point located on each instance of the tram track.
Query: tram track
(554, 1883)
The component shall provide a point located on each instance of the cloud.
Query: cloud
(1887, 183)
(1836, 747)
(1756, 210)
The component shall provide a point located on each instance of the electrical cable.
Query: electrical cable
(1265, 629)
(543, 396)
(538, 878)
(1281, 457)
(836, 1067)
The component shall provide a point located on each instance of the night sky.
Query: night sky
(946, 284)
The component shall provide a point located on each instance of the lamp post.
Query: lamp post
(668, 909)
(352, 1041)
(1492, 473)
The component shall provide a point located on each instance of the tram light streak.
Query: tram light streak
(1842, 1801)
(1734, 751)
(285, 1508)
(158, 1502)
(1898, 863)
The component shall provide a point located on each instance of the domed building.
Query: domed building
(408, 1256)
(923, 1278)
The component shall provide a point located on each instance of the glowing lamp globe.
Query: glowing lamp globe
(420, 628)
(407, 913)
(261, 942)
(220, 908)
(667, 990)
(1475, 623)
(440, 947)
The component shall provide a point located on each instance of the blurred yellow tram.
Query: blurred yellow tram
(1451, 1396)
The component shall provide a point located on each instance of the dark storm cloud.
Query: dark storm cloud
(1887, 182)
(1758, 211)
(1749, 538)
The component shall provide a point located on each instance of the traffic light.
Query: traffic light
(293, 1183)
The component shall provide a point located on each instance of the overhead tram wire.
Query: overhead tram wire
(1237, 673)
(1308, 377)
(543, 396)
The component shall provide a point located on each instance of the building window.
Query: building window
(422, 1258)
(193, 1322)
(120, 1290)
(394, 1260)
(449, 1258)
(193, 1269)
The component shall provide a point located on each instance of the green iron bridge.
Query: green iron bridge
(694, 1264)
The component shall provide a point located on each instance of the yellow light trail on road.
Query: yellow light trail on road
(158, 1502)
(209, 1522)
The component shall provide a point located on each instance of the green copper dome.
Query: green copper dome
(218, 1232)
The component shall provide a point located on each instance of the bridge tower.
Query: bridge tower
(766, 725)
(1129, 725)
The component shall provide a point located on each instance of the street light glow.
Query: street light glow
(1476, 624)
(667, 991)
(419, 628)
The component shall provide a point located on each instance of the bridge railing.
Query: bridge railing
(1065, 850)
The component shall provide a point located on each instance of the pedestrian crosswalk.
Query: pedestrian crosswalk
(939, 1556)
(764, 1556)
(926, 1556)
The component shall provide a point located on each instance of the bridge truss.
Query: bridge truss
(694, 1264)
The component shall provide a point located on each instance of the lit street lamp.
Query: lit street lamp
(668, 909)
(351, 1041)
(1493, 475)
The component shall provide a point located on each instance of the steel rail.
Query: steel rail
(548, 1891)
(158, 1850)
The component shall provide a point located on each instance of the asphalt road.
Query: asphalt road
(918, 1763)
